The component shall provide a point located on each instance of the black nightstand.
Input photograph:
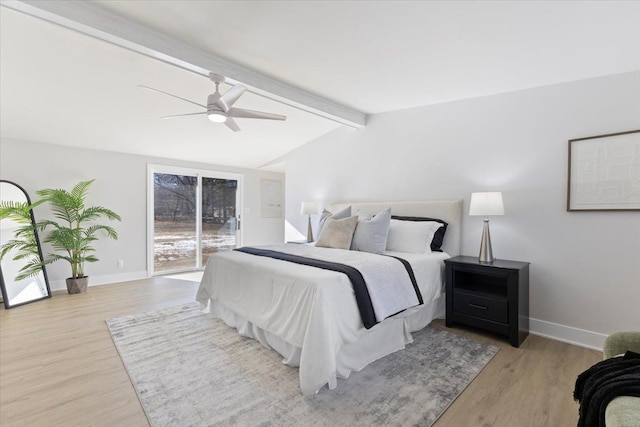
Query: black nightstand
(494, 297)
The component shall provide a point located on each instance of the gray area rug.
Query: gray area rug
(191, 370)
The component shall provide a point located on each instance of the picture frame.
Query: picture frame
(604, 172)
(271, 204)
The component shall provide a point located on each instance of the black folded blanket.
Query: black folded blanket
(603, 382)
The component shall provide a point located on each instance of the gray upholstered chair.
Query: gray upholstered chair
(623, 411)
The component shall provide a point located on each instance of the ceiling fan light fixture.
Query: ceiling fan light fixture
(219, 108)
(217, 116)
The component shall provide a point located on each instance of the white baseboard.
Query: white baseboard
(58, 285)
(568, 334)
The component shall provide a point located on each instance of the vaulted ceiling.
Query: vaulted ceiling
(58, 85)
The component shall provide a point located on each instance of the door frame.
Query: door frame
(199, 174)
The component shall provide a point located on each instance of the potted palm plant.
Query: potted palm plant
(75, 230)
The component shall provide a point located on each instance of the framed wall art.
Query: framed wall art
(604, 172)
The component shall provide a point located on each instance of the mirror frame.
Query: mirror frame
(3, 284)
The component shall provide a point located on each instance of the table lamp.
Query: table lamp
(486, 204)
(309, 208)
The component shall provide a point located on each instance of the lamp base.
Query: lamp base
(486, 253)
(309, 231)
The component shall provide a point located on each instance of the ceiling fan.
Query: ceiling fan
(219, 107)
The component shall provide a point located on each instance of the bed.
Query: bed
(310, 315)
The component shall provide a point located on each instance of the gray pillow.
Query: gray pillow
(337, 233)
(371, 233)
(344, 213)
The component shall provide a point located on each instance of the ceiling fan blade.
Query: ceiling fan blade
(251, 114)
(230, 97)
(231, 124)
(170, 94)
(183, 115)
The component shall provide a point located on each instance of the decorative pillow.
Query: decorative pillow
(411, 236)
(371, 233)
(337, 233)
(344, 213)
(438, 238)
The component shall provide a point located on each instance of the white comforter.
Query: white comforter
(388, 283)
(310, 308)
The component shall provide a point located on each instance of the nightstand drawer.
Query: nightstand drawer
(480, 306)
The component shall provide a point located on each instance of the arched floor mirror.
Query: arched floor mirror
(29, 289)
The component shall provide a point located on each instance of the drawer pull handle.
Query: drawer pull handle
(481, 307)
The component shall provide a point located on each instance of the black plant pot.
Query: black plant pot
(77, 286)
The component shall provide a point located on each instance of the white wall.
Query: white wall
(585, 266)
(121, 185)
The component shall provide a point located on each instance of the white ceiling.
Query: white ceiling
(58, 86)
(63, 87)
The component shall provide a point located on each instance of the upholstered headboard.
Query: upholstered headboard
(446, 210)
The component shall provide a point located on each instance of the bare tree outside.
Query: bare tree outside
(175, 238)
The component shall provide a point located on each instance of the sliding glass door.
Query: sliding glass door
(175, 222)
(192, 214)
(219, 216)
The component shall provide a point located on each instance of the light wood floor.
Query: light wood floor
(59, 367)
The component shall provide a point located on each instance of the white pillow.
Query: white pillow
(411, 236)
(371, 233)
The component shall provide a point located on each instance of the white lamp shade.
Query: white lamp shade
(309, 208)
(486, 204)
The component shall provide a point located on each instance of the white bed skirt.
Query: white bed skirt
(384, 338)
